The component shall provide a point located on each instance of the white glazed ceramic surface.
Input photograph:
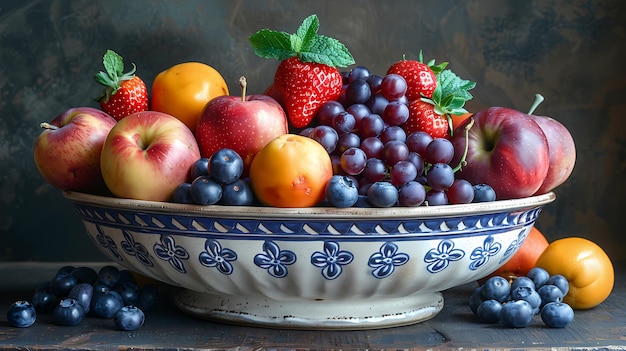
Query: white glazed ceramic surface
(309, 268)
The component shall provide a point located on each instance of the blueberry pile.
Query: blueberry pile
(75, 293)
(216, 180)
(363, 134)
(514, 304)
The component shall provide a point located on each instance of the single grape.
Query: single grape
(396, 113)
(353, 161)
(395, 151)
(402, 172)
(326, 136)
(358, 111)
(327, 111)
(460, 192)
(393, 86)
(358, 72)
(375, 170)
(371, 126)
(440, 150)
(357, 92)
(436, 197)
(346, 141)
(343, 122)
(440, 176)
(377, 104)
(418, 141)
(411, 194)
(373, 147)
(392, 133)
(382, 194)
(418, 161)
(374, 81)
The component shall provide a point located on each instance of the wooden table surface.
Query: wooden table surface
(166, 328)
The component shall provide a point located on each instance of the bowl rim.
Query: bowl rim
(267, 212)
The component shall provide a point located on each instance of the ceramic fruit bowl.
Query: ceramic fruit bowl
(309, 268)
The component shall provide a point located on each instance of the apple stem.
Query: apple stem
(47, 125)
(243, 83)
(462, 162)
(538, 100)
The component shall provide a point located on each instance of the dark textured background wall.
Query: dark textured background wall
(572, 52)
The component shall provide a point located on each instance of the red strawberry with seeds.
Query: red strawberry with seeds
(421, 78)
(308, 76)
(124, 93)
(422, 117)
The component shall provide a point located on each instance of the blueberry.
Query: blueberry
(105, 303)
(475, 299)
(69, 312)
(362, 202)
(529, 295)
(65, 269)
(83, 294)
(496, 288)
(382, 194)
(182, 194)
(85, 275)
(148, 296)
(62, 283)
(225, 166)
(129, 318)
(342, 191)
(205, 191)
(539, 276)
(557, 314)
(489, 311)
(516, 314)
(550, 293)
(522, 281)
(43, 300)
(237, 193)
(109, 275)
(561, 282)
(129, 292)
(21, 314)
(483, 193)
(199, 168)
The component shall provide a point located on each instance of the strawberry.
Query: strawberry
(421, 78)
(307, 76)
(433, 115)
(124, 93)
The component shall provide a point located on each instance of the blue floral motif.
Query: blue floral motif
(331, 260)
(274, 260)
(106, 242)
(481, 255)
(218, 257)
(438, 259)
(136, 249)
(167, 250)
(386, 259)
(514, 245)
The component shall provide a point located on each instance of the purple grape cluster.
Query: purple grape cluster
(363, 134)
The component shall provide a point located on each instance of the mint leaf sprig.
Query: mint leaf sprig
(305, 43)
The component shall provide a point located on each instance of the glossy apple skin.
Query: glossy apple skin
(69, 157)
(146, 155)
(507, 150)
(562, 152)
(243, 126)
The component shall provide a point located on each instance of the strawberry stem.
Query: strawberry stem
(47, 125)
(243, 83)
(462, 162)
(538, 100)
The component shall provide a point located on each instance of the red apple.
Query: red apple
(147, 155)
(506, 149)
(243, 123)
(67, 152)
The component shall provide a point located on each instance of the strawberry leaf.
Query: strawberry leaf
(451, 84)
(113, 64)
(305, 43)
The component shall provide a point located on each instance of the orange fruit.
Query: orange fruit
(586, 266)
(458, 120)
(291, 171)
(525, 258)
(184, 89)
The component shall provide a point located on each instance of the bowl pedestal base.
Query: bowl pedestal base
(371, 313)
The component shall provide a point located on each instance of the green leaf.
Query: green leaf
(307, 33)
(328, 51)
(272, 44)
(113, 64)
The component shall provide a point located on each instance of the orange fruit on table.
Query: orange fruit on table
(184, 89)
(291, 171)
(525, 258)
(586, 266)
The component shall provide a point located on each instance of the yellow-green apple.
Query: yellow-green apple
(67, 152)
(243, 123)
(506, 149)
(147, 155)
